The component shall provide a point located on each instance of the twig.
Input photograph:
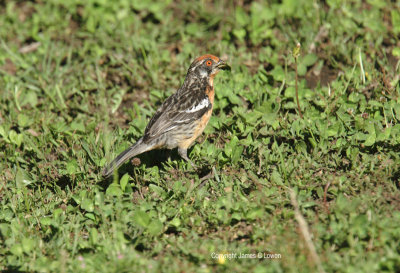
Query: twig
(361, 66)
(325, 193)
(296, 53)
(305, 231)
(29, 48)
(259, 163)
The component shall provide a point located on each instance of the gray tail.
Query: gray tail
(137, 148)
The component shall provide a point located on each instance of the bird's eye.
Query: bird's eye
(208, 63)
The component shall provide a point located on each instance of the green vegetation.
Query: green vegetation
(80, 80)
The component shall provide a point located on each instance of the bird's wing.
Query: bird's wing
(177, 110)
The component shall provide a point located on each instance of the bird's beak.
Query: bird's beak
(223, 65)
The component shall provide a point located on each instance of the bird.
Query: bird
(182, 117)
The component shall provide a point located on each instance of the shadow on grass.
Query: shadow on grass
(64, 181)
(12, 269)
(396, 178)
(151, 159)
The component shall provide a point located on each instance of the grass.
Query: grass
(80, 80)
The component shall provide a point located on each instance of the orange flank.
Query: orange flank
(201, 124)
(210, 93)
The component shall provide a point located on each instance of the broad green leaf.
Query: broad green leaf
(77, 126)
(141, 218)
(114, 190)
(276, 177)
(16, 249)
(124, 181)
(370, 140)
(23, 120)
(176, 222)
(22, 178)
(28, 244)
(157, 190)
(46, 221)
(255, 213)
(396, 52)
(72, 166)
(309, 59)
(87, 204)
(396, 21)
(93, 236)
(15, 138)
(155, 227)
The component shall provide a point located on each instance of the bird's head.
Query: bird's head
(207, 66)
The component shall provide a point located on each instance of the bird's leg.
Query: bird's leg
(183, 153)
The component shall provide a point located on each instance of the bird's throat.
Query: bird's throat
(211, 79)
(210, 88)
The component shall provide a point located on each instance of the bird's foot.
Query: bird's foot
(183, 153)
